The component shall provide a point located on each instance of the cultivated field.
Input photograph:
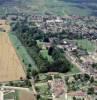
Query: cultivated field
(26, 95)
(10, 65)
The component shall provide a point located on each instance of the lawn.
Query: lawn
(9, 96)
(85, 44)
(44, 54)
(74, 70)
(21, 52)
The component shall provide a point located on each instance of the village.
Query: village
(74, 25)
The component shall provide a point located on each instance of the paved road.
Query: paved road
(1, 95)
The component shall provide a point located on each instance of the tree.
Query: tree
(46, 39)
(49, 77)
(29, 65)
(56, 53)
(90, 91)
(73, 88)
(36, 78)
(59, 66)
(92, 79)
(29, 70)
(74, 98)
(21, 78)
(11, 83)
(94, 65)
(38, 96)
(34, 72)
(50, 50)
(28, 75)
(87, 77)
(28, 83)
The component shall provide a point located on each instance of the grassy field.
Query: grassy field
(85, 44)
(44, 54)
(74, 70)
(22, 53)
(11, 95)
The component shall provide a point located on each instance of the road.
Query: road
(33, 86)
(1, 95)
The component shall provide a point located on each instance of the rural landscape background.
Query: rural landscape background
(58, 7)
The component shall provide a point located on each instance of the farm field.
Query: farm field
(13, 95)
(10, 66)
(26, 95)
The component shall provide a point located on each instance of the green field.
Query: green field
(44, 52)
(11, 95)
(86, 44)
(22, 53)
